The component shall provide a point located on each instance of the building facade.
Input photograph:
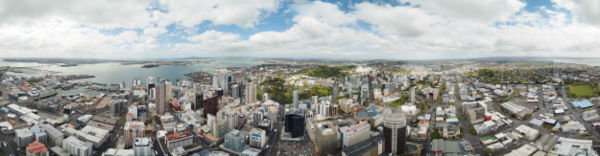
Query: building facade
(132, 130)
(394, 133)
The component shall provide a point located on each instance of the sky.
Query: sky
(345, 29)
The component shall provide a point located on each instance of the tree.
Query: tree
(489, 150)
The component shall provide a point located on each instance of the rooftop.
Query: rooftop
(36, 147)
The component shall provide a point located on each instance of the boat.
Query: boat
(150, 65)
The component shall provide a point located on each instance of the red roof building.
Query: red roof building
(36, 148)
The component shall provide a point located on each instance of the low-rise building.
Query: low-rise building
(568, 146)
(179, 139)
(528, 132)
(524, 150)
(77, 147)
(37, 149)
(142, 147)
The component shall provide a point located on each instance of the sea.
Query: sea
(590, 61)
(116, 72)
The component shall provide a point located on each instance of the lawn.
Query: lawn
(581, 91)
(328, 72)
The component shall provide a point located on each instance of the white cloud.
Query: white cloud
(325, 12)
(585, 10)
(426, 29)
(215, 36)
(105, 14)
(58, 37)
(478, 10)
(401, 20)
(244, 14)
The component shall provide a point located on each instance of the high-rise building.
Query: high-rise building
(39, 134)
(296, 97)
(295, 123)
(394, 133)
(215, 81)
(412, 94)
(235, 91)
(151, 88)
(355, 134)
(161, 99)
(134, 112)
(335, 93)
(211, 105)
(142, 147)
(230, 119)
(116, 107)
(258, 137)
(169, 90)
(364, 94)
(250, 97)
(199, 100)
(235, 140)
(23, 137)
(132, 130)
(55, 136)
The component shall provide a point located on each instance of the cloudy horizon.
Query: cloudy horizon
(402, 29)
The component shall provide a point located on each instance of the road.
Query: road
(575, 114)
(11, 146)
(276, 136)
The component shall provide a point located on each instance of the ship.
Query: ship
(68, 65)
(150, 65)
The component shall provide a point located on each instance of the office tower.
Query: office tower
(364, 94)
(235, 91)
(295, 98)
(169, 91)
(295, 123)
(394, 133)
(134, 112)
(250, 93)
(23, 137)
(215, 81)
(39, 134)
(230, 119)
(142, 147)
(314, 101)
(199, 100)
(355, 134)
(412, 94)
(258, 138)
(151, 88)
(211, 105)
(335, 93)
(235, 140)
(116, 107)
(55, 136)
(161, 91)
(136, 83)
(132, 130)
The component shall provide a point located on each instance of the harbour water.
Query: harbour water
(114, 72)
(591, 61)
